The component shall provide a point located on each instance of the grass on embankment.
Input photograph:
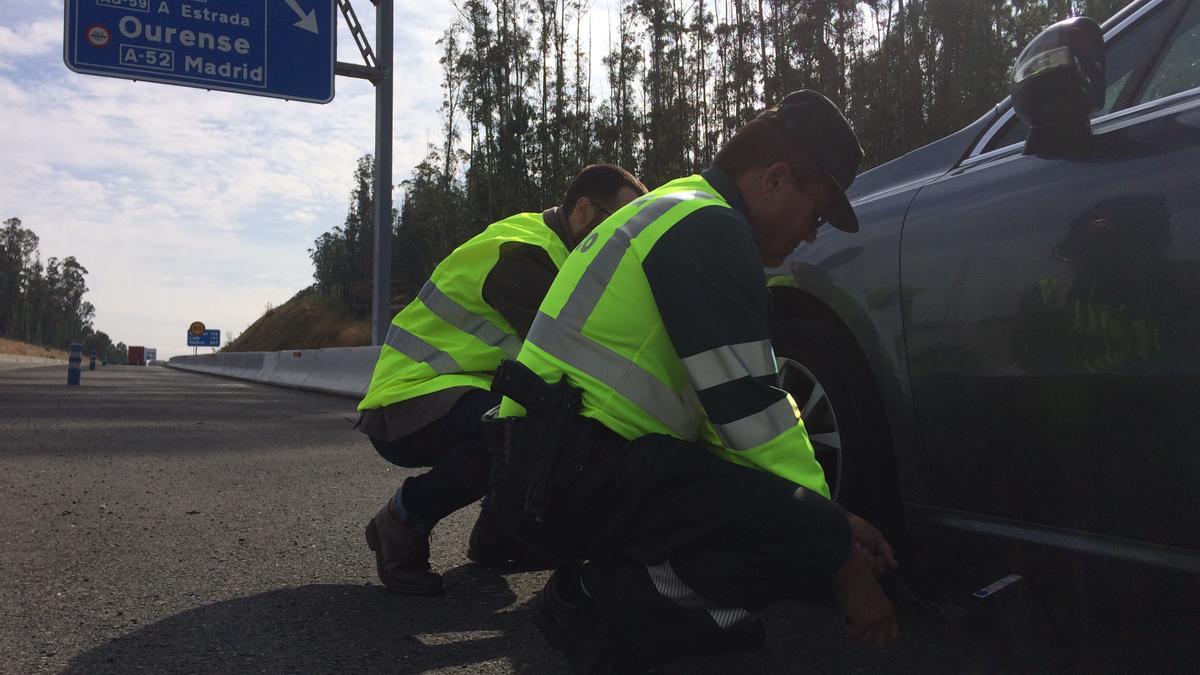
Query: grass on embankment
(26, 349)
(304, 322)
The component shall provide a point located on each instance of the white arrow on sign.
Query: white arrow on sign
(308, 23)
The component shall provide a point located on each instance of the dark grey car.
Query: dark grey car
(1010, 347)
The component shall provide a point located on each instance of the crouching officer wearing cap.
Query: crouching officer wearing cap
(643, 431)
(431, 383)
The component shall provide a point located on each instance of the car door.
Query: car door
(1054, 326)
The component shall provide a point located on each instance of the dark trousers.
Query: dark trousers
(681, 544)
(454, 448)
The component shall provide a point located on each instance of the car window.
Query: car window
(1122, 55)
(1124, 52)
(1179, 68)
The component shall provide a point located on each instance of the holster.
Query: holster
(544, 448)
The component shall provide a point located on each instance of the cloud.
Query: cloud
(302, 216)
(38, 37)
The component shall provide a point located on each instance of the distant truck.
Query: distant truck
(137, 356)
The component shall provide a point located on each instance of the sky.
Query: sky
(191, 205)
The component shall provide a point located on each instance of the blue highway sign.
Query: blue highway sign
(280, 48)
(209, 338)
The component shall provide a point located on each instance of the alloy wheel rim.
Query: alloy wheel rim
(819, 419)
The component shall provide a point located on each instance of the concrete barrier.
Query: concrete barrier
(344, 371)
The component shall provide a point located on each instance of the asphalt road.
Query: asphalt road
(167, 522)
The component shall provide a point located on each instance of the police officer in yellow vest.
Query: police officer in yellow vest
(644, 430)
(431, 384)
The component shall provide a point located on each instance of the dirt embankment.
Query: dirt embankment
(25, 349)
(304, 322)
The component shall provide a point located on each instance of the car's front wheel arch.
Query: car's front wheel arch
(824, 369)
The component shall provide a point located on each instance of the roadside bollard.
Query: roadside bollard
(92, 360)
(74, 363)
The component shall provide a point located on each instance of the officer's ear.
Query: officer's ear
(777, 176)
(581, 216)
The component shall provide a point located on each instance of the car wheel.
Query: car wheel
(823, 371)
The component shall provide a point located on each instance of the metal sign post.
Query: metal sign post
(381, 313)
(380, 73)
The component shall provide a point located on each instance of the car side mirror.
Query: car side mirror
(1057, 81)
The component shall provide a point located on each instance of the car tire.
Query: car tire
(822, 369)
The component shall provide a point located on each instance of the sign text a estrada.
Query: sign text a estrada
(280, 48)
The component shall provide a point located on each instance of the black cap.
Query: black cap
(827, 138)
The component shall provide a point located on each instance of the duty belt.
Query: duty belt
(550, 444)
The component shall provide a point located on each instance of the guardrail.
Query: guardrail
(340, 370)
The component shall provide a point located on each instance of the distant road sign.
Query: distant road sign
(197, 328)
(209, 338)
(279, 48)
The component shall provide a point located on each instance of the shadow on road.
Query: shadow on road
(339, 628)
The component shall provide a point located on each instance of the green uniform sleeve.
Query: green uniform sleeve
(517, 284)
(710, 289)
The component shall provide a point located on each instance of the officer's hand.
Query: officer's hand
(867, 536)
(868, 614)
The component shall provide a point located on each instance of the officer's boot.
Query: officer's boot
(493, 544)
(401, 554)
(568, 620)
(745, 636)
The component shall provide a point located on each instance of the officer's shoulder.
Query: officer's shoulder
(717, 223)
(520, 253)
(716, 235)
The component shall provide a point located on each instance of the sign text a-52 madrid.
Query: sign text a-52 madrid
(278, 48)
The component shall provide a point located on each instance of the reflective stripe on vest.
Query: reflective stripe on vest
(563, 338)
(591, 286)
(421, 351)
(731, 362)
(456, 315)
(728, 363)
(754, 430)
(449, 336)
(558, 339)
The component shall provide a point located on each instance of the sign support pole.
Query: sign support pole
(379, 70)
(381, 314)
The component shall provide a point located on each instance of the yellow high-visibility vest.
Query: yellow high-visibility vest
(449, 336)
(599, 325)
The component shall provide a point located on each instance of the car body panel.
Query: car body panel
(857, 276)
(1053, 332)
(1033, 325)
